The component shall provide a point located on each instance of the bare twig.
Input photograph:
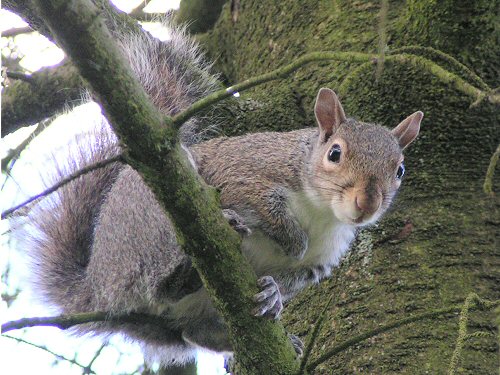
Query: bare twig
(20, 76)
(88, 368)
(434, 54)
(314, 336)
(63, 182)
(14, 153)
(68, 321)
(49, 351)
(471, 301)
(350, 57)
(16, 31)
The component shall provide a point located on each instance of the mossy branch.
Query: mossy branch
(473, 302)
(437, 55)
(151, 145)
(349, 57)
(488, 180)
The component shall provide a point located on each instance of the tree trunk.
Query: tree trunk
(440, 241)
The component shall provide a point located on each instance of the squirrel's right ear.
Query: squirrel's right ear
(408, 129)
(329, 113)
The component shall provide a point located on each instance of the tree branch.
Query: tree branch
(261, 346)
(488, 180)
(349, 57)
(71, 320)
(13, 154)
(46, 92)
(26, 10)
(19, 75)
(16, 31)
(71, 177)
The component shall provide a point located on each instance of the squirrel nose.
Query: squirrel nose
(367, 204)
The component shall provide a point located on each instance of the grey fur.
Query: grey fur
(104, 242)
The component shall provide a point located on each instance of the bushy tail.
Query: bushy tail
(174, 75)
(61, 226)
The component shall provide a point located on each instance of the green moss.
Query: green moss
(451, 249)
(198, 15)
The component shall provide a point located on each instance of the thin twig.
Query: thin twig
(435, 54)
(14, 153)
(68, 321)
(390, 326)
(314, 336)
(16, 31)
(73, 361)
(20, 76)
(471, 300)
(350, 57)
(63, 182)
(488, 180)
(382, 37)
(88, 368)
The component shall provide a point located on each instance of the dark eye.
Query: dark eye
(401, 171)
(334, 155)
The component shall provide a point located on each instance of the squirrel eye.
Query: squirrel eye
(334, 155)
(401, 171)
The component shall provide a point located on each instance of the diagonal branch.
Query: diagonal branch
(64, 181)
(349, 57)
(488, 180)
(153, 150)
(16, 31)
(68, 321)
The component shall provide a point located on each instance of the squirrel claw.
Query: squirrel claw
(269, 301)
(236, 222)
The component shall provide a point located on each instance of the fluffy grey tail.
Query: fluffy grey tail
(61, 226)
(174, 73)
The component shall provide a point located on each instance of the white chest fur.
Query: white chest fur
(329, 239)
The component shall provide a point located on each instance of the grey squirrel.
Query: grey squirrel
(103, 243)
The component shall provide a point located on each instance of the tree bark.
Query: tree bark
(260, 346)
(46, 93)
(440, 241)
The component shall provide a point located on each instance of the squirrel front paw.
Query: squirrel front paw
(269, 301)
(236, 222)
(297, 343)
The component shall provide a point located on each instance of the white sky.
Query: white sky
(20, 358)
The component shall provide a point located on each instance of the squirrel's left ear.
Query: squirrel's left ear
(329, 113)
(408, 129)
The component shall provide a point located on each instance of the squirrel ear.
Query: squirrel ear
(408, 129)
(329, 113)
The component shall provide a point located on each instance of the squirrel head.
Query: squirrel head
(357, 167)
